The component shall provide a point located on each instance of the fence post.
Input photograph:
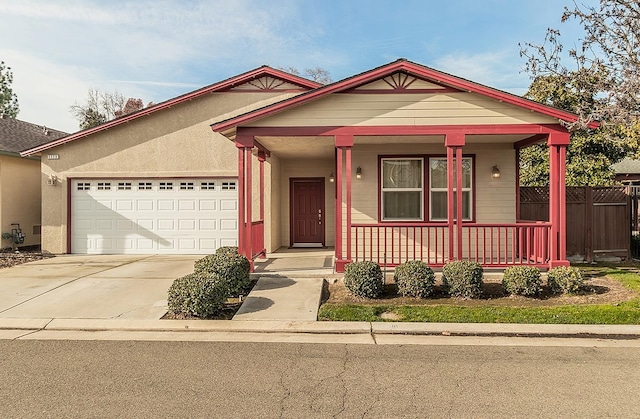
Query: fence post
(588, 222)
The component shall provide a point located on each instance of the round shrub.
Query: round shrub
(462, 278)
(229, 266)
(564, 279)
(233, 250)
(522, 280)
(197, 295)
(415, 278)
(364, 279)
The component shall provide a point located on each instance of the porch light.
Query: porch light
(359, 173)
(332, 178)
(495, 172)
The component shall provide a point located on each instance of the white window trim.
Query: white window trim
(383, 190)
(468, 189)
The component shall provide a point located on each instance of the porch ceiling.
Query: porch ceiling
(323, 146)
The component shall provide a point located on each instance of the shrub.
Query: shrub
(522, 280)
(415, 278)
(233, 250)
(462, 278)
(197, 295)
(231, 267)
(364, 279)
(564, 279)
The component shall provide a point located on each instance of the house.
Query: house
(20, 180)
(399, 162)
(627, 171)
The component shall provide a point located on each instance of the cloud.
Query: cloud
(497, 69)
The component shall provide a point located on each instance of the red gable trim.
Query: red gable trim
(216, 87)
(380, 72)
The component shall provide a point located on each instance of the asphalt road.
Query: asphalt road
(255, 380)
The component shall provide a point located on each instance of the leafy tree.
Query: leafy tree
(316, 74)
(8, 99)
(590, 154)
(101, 107)
(600, 83)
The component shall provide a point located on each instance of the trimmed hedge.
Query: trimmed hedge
(462, 278)
(415, 278)
(197, 295)
(224, 250)
(230, 266)
(564, 279)
(522, 280)
(364, 279)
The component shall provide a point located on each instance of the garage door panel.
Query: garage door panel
(166, 205)
(153, 216)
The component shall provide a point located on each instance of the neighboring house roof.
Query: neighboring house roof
(401, 65)
(260, 72)
(17, 135)
(627, 167)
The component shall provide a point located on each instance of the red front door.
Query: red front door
(307, 211)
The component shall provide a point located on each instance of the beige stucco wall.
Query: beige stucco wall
(404, 109)
(175, 142)
(20, 197)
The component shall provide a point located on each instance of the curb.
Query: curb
(340, 328)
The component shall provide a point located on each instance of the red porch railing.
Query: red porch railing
(257, 239)
(492, 245)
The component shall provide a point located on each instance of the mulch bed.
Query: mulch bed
(597, 290)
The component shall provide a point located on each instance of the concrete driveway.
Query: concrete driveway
(91, 287)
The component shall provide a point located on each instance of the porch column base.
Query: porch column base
(556, 263)
(341, 263)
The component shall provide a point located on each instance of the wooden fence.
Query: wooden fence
(598, 219)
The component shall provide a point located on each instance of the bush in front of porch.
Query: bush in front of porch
(364, 279)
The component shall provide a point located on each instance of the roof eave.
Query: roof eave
(216, 87)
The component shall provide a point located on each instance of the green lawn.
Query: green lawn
(627, 312)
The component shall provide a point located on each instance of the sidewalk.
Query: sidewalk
(322, 332)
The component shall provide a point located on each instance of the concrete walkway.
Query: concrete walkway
(282, 298)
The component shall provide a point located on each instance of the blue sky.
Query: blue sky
(156, 50)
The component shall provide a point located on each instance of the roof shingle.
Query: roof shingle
(16, 135)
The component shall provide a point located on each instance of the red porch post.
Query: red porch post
(557, 142)
(244, 143)
(342, 142)
(454, 143)
(261, 158)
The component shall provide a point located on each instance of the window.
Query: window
(207, 186)
(124, 186)
(228, 186)
(144, 186)
(438, 189)
(186, 186)
(166, 186)
(83, 186)
(104, 186)
(402, 189)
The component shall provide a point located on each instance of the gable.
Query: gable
(400, 82)
(392, 81)
(267, 83)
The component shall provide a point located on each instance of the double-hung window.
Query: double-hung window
(438, 189)
(402, 192)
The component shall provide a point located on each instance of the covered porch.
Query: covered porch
(419, 218)
(399, 163)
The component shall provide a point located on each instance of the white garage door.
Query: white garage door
(149, 216)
